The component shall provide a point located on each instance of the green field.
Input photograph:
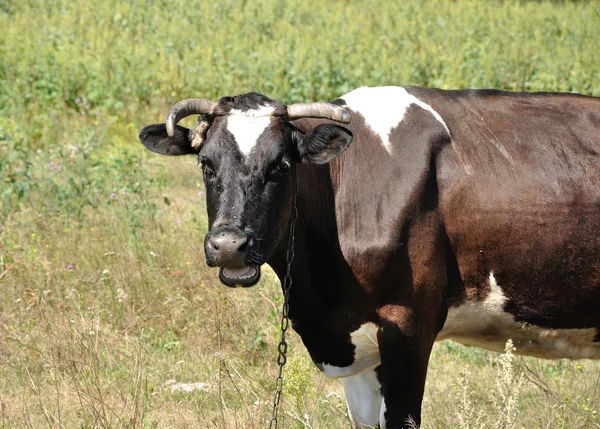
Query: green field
(105, 301)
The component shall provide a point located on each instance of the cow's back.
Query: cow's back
(519, 194)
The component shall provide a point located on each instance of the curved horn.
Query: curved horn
(185, 108)
(319, 110)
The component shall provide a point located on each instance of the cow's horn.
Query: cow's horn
(185, 108)
(319, 110)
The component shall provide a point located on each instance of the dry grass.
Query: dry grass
(99, 320)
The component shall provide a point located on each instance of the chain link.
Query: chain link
(285, 321)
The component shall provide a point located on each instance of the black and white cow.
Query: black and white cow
(472, 215)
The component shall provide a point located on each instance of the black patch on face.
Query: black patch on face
(250, 101)
(250, 193)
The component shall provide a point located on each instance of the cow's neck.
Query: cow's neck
(324, 291)
(318, 259)
(316, 219)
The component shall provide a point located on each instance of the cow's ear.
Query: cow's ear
(323, 143)
(155, 138)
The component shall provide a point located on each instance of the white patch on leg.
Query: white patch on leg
(366, 353)
(383, 108)
(486, 324)
(363, 397)
(382, 414)
(247, 126)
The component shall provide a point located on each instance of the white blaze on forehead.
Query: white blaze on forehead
(246, 127)
(384, 108)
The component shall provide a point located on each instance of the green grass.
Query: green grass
(104, 295)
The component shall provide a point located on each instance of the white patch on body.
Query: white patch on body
(247, 126)
(363, 398)
(382, 414)
(383, 108)
(366, 353)
(486, 324)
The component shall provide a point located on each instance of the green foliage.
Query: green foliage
(116, 57)
(300, 386)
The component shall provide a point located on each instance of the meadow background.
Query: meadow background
(105, 301)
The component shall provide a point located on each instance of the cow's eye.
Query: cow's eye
(279, 170)
(283, 167)
(207, 170)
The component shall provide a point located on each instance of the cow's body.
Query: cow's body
(469, 215)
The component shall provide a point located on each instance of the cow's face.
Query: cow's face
(248, 150)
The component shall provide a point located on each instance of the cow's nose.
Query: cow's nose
(227, 242)
(227, 249)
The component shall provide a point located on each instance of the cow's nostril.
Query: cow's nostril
(228, 244)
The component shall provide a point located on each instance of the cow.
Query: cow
(422, 214)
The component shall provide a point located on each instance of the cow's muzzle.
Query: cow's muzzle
(231, 250)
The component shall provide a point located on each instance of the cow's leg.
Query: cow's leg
(363, 397)
(404, 345)
(415, 311)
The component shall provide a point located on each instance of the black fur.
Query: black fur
(324, 143)
(156, 139)
(250, 101)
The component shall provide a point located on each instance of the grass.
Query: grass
(105, 300)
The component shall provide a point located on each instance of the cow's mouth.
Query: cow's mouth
(243, 276)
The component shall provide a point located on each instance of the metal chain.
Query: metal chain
(287, 284)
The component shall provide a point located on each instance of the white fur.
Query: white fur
(363, 398)
(247, 127)
(366, 353)
(382, 414)
(383, 108)
(486, 324)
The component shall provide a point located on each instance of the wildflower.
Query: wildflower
(200, 193)
(78, 100)
(179, 222)
(112, 195)
(69, 267)
(121, 295)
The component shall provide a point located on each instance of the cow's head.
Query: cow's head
(248, 149)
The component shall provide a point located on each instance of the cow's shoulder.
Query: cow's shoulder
(379, 112)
